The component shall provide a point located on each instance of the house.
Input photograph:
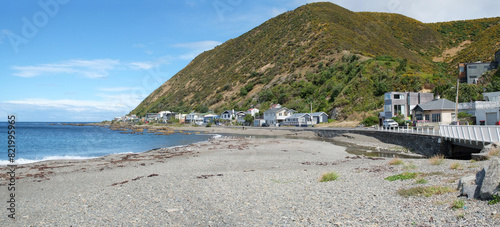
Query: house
(299, 120)
(181, 117)
(151, 116)
(277, 115)
(471, 72)
(131, 118)
(194, 118)
(275, 106)
(165, 116)
(240, 116)
(401, 103)
(210, 118)
(228, 115)
(438, 111)
(475, 70)
(253, 111)
(319, 117)
(486, 112)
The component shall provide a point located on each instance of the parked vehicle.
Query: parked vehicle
(265, 125)
(419, 122)
(389, 123)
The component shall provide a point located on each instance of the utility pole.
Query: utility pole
(456, 103)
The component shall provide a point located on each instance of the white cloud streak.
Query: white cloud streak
(87, 68)
(196, 48)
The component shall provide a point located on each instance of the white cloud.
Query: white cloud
(87, 68)
(141, 65)
(276, 11)
(196, 48)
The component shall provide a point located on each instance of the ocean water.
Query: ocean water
(50, 141)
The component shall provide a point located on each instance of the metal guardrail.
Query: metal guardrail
(411, 130)
(461, 133)
(470, 133)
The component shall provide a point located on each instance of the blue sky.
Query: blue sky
(89, 60)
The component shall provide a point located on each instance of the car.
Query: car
(389, 123)
(265, 125)
(419, 122)
(498, 123)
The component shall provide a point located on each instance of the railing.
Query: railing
(411, 130)
(461, 133)
(471, 133)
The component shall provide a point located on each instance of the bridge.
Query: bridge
(450, 140)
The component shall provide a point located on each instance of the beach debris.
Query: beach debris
(119, 183)
(153, 175)
(208, 176)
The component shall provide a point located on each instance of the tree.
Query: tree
(248, 118)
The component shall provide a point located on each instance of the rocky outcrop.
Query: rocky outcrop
(487, 151)
(485, 184)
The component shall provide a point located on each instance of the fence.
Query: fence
(470, 133)
(460, 133)
(411, 130)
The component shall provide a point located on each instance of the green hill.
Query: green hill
(340, 61)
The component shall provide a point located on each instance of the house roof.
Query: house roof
(319, 114)
(437, 104)
(297, 115)
(276, 110)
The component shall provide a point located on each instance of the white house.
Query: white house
(319, 117)
(486, 112)
(210, 118)
(299, 120)
(194, 118)
(253, 111)
(228, 115)
(277, 115)
(165, 116)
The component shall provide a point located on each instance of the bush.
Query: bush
(437, 159)
(369, 121)
(403, 176)
(331, 176)
(424, 191)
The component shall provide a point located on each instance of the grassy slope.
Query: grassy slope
(305, 56)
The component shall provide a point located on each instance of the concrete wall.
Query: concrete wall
(419, 144)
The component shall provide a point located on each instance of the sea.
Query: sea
(41, 141)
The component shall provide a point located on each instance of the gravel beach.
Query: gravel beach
(240, 181)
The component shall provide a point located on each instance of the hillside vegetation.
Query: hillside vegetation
(339, 61)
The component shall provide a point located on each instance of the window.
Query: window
(436, 117)
(398, 96)
(387, 108)
(387, 96)
(472, 67)
(427, 117)
(399, 109)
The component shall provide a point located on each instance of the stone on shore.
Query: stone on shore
(490, 184)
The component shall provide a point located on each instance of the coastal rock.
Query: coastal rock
(468, 187)
(487, 151)
(490, 184)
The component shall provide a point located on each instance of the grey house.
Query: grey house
(476, 70)
(401, 103)
(319, 117)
